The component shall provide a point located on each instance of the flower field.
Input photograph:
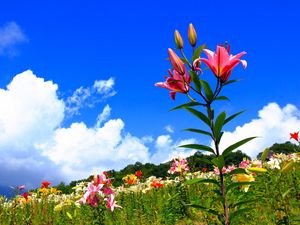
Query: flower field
(272, 197)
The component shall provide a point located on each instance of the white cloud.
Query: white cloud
(102, 117)
(105, 87)
(29, 112)
(10, 36)
(166, 149)
(169, 128)
(90, 96)
(273, 125)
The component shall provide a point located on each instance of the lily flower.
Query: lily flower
(176, 83)
(111, 203)
(295, 136)
(176, 62)
(45, 184)
(220, 62)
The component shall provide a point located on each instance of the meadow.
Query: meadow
(271, 198)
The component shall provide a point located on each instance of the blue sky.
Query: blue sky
(73, 44)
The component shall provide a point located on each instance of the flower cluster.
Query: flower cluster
(179, 166)
(99, 191)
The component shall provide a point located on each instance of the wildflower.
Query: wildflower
(45, 184)
(217, 170)
(179, 166)
(111, 203)
(90, 197)
(244, 178)
(204, 170)
(221, 63)
(245, 163)
(130, 179)
(156, 184)
(138, 173)
(176, 83)
(176, 62)
(295, 136)
(274, 163)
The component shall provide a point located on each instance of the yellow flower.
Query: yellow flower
(244, 178)
(130, 179)
(44, 191)
(55, 191)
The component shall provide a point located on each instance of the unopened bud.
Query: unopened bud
(192, 35)
(176, 62)
(178, 39)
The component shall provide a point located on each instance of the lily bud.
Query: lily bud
(176, 62)
(178, 39)
(192, 35)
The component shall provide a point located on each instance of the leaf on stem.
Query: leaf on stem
(199, 114)
(230, 82)
(204, 209)
(195, 79)
(219, 162)
(198, 131)
(236, 145)
(207, 90)
(197, 52)
(222, 98)
(233, 116)
(238, 184)
(198, 147)
(189, 104)
(264, 155)
(219, 124)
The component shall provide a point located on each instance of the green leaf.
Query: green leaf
(197, 52)
(204, 209)
(200, 115)
(198, 131)
(189, 104)
(201, 180)
(198, 147)
(195, 79)
(185, 61)
(219, 162)
(264, 154)
(233, 116)
(230, 82)
(238, 184)
(237, 171)
(207, 161)
(244, 202)
(219, 124)
(286, 192)
(236, 145)
(207, 90)
(222, 98)
(239, 212)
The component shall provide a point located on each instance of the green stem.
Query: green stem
(216, 143)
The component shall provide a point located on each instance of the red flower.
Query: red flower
(156, 184)
(221, 63)
(25, 195)
(45, 184)
(295, 136)
(138, 173)
(204, 169)
(176, 83)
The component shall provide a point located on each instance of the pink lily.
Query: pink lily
(21, 187)
(220, 62)
(111, 203)
(176, 62)
(176, 83)
(90, 197)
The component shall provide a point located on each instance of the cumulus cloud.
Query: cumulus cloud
(29, 112)
(166, 149)
(90, 96)
(34, 146)
(273, 125)
(10, 35)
